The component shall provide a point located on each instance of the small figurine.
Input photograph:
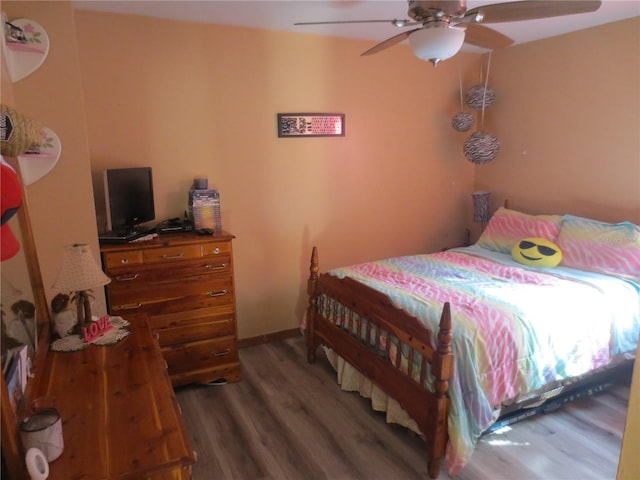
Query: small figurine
(64, 319)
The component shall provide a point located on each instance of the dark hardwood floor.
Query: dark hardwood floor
(290, 420)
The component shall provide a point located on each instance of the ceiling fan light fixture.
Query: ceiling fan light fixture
(436, 42)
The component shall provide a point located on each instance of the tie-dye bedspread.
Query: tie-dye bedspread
(516, 328)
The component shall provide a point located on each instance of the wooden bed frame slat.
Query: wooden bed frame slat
(372, 355)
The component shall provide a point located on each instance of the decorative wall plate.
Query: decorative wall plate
(25, 45)
(36, 163)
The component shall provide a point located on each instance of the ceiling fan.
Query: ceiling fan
(442, 26)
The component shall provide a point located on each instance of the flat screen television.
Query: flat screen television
(128, 199)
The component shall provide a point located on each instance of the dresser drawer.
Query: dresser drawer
(150, 275)
(171, 254)
(191, 317)
(188, 294)
(216, 248)
(123, 259)
(184, 327)
(200, 355)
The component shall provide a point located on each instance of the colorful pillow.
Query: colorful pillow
(611, 248)
(537, 252)
(507, 227)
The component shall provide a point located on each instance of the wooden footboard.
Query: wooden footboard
(388, 346)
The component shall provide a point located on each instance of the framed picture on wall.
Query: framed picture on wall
(311, 125)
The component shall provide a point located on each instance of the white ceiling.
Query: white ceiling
(281, 15)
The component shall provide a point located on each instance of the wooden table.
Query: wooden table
(120, 417)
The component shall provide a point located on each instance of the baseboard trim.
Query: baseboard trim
(269, 337)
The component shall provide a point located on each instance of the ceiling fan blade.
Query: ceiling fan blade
(388, 42)
(532, 9)
(485, 37)
(395, 22)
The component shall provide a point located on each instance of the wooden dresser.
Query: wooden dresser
(120, 417)
(184, 283)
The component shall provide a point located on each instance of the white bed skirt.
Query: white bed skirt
(351, 380)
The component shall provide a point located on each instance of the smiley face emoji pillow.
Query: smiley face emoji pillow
(538, 252)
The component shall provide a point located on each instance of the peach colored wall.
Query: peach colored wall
(568, 114)
(191, 99)
(60, 203)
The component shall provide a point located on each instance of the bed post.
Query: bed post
(442, 370)
(314, 268)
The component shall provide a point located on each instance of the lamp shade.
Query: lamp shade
(480, 206)
(79, 270)
(436, 42)
(481, 147)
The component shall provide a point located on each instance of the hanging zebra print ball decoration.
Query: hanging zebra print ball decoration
(481, 147)
(462, 121)
(478, 99)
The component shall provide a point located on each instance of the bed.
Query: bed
(452, 340)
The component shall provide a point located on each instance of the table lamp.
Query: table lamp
(78, 275)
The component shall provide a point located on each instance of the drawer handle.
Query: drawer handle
(124, 261)
(222, 266)
(156, 335)
(127, 279)
(222, 354)
(215, 322)
(216, 251)
(132, 306)
(173, 257)
(218, 294)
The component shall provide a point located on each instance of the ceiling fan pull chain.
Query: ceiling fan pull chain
(486, 84)
(460, 82)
